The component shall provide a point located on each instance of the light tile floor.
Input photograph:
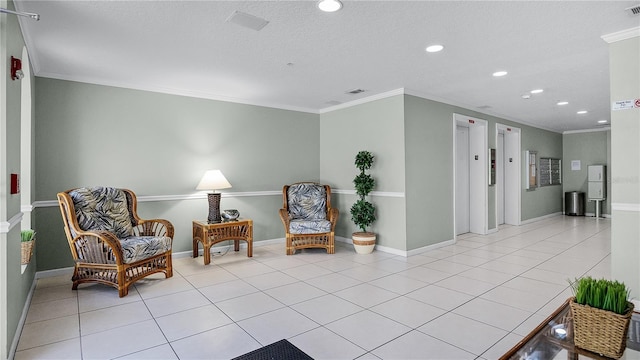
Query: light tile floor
(472, 300)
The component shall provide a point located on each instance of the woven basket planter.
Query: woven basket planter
(363, 242)
(26, 250)
(600, 331)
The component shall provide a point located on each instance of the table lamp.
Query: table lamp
(213, 180)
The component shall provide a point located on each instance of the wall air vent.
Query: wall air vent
(484, 107)
(355, 91)
(247, 20)
(635, 10)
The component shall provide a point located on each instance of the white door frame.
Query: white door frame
(478, 172)
(462, 181)
(499, 184)
(512, 174)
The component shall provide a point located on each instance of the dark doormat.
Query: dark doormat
(279, 350)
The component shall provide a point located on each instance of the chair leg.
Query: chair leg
(290, 249)
(169, 262)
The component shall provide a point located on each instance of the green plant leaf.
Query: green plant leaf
(363, 214)
(603, 294)
(362, 211)
(27, 235)
(364, 160)
(364, 184)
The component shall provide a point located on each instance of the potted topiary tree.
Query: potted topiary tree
(363, 212)
(601, 315)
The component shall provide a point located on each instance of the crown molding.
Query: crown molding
(480, 111)
(172, 91)
(363, 100)
(621, 35)
(606, 128)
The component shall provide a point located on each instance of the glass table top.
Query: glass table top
(553, 339)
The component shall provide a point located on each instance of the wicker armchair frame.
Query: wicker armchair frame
(98, 255)
(303, 241)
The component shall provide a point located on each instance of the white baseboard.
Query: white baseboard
(529, 221)
(54, 272)
(175, 255)
(431, 247)
(608, 216)
(403, 253)
(23, 318)
(243, 245)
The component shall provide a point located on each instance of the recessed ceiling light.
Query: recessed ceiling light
(602, 121)
(562, 103)
(329, 5)
(537, 91)
(526, 96)
(499, 73)
(582, 112)
(434, 48)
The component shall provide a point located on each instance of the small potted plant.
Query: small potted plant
(363, 212)
(601, 315)
(27, 241)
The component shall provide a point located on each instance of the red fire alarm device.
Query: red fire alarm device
(15, 184)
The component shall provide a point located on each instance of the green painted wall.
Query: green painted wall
(591, 148)
(158, 144)
(429, 170)
(547, 199)
(376, 126)
(429, 159)
(412, 139)
(15, 285)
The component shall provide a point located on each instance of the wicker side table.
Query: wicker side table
(210, 234)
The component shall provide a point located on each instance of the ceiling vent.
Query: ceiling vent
(635, 10)
(247, 20)
(355, 91)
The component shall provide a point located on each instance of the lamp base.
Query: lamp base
(214, 208)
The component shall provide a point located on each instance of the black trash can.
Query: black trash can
(574, 203)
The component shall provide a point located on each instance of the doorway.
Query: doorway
(470, 198)
(507, 175)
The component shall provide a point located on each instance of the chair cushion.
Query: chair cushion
(309, 226)
(307, 201)
(103, 208)
(136, 248)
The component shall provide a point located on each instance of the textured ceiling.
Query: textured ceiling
(307, 60)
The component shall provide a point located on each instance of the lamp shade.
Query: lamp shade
(213, 180)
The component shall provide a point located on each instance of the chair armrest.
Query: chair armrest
(154, 227)
(284, 216)
(98, 247)
(332, 216)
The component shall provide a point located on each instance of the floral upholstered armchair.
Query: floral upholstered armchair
(109, 243)
(308, 218)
